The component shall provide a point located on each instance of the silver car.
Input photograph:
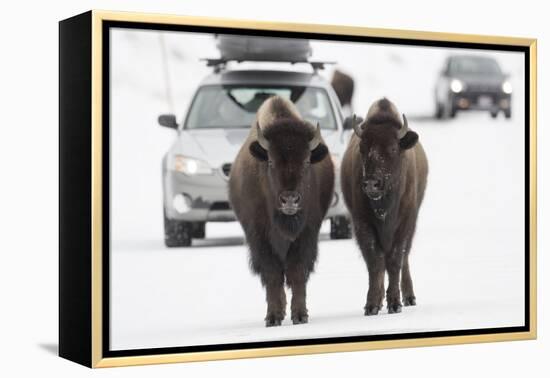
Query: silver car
(195, 170)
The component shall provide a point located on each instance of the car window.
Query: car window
(217, 106)
(474, 65)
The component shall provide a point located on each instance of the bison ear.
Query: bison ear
(318, 153)
(258, 151)
(409, 140)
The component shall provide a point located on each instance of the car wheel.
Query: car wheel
(438, 111)
(508, 114)
(448, 109)
(494, 114)
(452, 111)
(340, 227)
(198, 230)
(177, 233)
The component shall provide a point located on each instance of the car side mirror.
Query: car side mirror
(168, 120)
(348, 122)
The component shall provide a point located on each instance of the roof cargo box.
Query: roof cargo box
(241, 48)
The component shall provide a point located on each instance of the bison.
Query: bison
(384, 175)
(280, 187)
(343, 86)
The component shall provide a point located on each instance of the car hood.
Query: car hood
(215, 146)
(220, 146)
(481, 79)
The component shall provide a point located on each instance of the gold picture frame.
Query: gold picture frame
(82, 257)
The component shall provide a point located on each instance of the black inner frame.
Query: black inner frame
(106, 25)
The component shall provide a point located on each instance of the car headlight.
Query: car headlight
(507, 87)
(456, 86)
(190, 166)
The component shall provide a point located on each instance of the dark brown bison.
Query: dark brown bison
(281, 185)
(384, 174)
(343, 85)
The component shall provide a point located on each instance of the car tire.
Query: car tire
(340, 227)
(198, 230)
(177, 233)
(494, 114)
(439, 111)
(448, 109)
(508, 114)
(452, 111)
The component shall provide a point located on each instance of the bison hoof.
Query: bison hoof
(409, 301)
(394, 308)
(272, 322)
(372, 310)
(300, 319)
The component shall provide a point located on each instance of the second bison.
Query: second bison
(384, 174)
(281, 185)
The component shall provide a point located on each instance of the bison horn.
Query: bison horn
(356, 126)
(404, 129)
(261, 139)
(314, 142)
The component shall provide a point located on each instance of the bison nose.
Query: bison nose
(373, 183)
(373, 186)
(290, 198)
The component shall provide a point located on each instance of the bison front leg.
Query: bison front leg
(271, 271)
(394, 261)
(275, 298)
(375, 295)
(374, 258)
(297, 281)
(299, 264)
(409, 298)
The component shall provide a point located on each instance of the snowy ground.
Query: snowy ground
(467, 259)
(467, 263)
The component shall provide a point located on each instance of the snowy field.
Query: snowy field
(467, 259)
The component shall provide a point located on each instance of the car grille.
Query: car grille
(222, 205)
(226, 169)
(476, 87)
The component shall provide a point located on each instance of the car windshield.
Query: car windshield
(217, 106)
(474, 65)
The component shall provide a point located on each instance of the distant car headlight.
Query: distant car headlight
(507, 87)
(190, 166)
(456, 86)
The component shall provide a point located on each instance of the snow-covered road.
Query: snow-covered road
(467, 260)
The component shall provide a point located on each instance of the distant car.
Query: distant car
(469, 82)
(195, 170)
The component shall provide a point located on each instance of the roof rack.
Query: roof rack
(220, 63)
